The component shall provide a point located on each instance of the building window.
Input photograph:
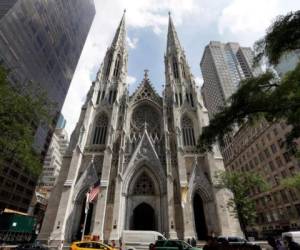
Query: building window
(280, 143)
(293, 195)
(272, 167)
(273, 148)
(103, 94)
(279, 161)
(284, 196)
(175, 68)
(144, 185)
(180, 99)
(108, 65)
(100, 130)
(98, 97)
(188, 131)
(267, 152)
(182, 68)
(117, 66)
(261, 157)
(286, 157)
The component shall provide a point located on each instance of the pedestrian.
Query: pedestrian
(189, 241)
(113, 243)
(193, 242)
(279, 245)
(151, 246)
(272, 243)
(211, 243)
(290, 243)
(120, 243)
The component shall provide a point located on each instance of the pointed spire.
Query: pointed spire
(172, 40)
(120, 36)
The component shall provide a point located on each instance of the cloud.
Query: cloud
(132, 43)
(141, 14)
(236, 20)
(130, 80)
(199, 81)
(247, 21)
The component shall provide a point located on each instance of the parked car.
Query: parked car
(295, 235)
(134, 239)
(173, 245)
(34, 246)
(89, 245)
(231, 239)
(237, 242)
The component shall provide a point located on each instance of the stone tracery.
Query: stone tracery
(144, 185)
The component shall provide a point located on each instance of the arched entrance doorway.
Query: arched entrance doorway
(88, 220)
(144, 203)
(143, 217)
(200, 223)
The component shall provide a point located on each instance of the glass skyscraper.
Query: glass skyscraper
(41, 41)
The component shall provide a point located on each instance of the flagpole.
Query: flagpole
(86, 209)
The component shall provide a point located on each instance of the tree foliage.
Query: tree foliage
(241, 184)
(292, 182)
(265, 95)
(282, 36)
(21, 111)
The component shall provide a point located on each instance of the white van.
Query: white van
(140, 240)
(294, 235)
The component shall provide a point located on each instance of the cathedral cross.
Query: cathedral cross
(146, 73)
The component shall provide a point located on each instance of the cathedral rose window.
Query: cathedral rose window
(145, 114)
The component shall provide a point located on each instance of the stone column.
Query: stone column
(189, 231)
(66, 202)
(118, 211)
(98, 226)
(170, 203)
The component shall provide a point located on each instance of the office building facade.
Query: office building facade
(40, 41)
(223, 66)
(260, 148)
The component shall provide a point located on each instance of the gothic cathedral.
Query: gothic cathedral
(143, 149)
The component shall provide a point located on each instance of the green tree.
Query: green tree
(22, 109)
(292, 182)
(241, 184)
(265, 95)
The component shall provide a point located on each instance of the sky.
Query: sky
(197, 22)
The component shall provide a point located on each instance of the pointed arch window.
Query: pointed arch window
(188, 131)
(144, 185)
(117, 66)
(182, 67)
(108, 65)
(100, 129)
(175, 68)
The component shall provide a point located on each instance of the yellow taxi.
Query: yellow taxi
(90, 245)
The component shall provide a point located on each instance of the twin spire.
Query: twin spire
(120, 36)
(172, 38)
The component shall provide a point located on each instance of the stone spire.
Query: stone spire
(172, 40)
(120, 36)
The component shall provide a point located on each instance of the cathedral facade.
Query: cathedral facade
(143, 149)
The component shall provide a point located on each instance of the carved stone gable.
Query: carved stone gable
(145, 91)
(145, 151)
(199, 182)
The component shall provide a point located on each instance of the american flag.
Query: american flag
(94, 192)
